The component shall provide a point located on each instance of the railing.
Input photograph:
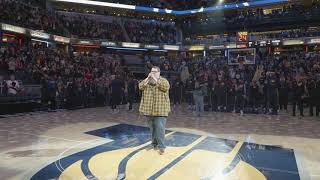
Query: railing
(29, 94)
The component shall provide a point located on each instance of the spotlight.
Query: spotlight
(220, 2)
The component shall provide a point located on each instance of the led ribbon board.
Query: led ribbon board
(178, 12)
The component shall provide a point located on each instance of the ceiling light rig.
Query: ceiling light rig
(220, 2)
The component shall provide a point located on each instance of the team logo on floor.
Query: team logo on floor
(187, 156)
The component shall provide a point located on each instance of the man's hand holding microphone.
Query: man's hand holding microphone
(150, 79)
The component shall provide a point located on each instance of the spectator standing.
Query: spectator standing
(117, 88)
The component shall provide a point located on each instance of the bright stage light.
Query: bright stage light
(220, 2)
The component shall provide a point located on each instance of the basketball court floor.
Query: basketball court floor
(96, 144)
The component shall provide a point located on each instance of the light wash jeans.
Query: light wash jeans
(157, 127)
(198, 101)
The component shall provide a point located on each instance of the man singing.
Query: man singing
(155, 105)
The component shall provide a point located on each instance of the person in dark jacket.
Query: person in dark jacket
(298, 89)
(3, 86)
(240, 96)
(254, 95)
(312, 93)
(283, 93)
(177, 91)
(116, 87)
(85, 93)
(273, 95)
(131, 88)
(221, 92)
(231, 95)
(212, 94)
(71, 94)
(263, 91)
(189, 89)
(52, 90)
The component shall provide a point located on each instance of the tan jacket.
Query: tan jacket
(155, 98)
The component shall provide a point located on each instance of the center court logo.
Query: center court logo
(188, 156)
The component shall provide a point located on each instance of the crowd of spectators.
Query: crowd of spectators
(73, 80)
(156, 33)
(33, 17)
(266, 87)
(253, 36)
(68, 80)
(250, 16)
(262, 88)
(292, 10)
(83, 27)
(27, 15)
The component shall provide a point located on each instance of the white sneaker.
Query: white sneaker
(241, 112)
